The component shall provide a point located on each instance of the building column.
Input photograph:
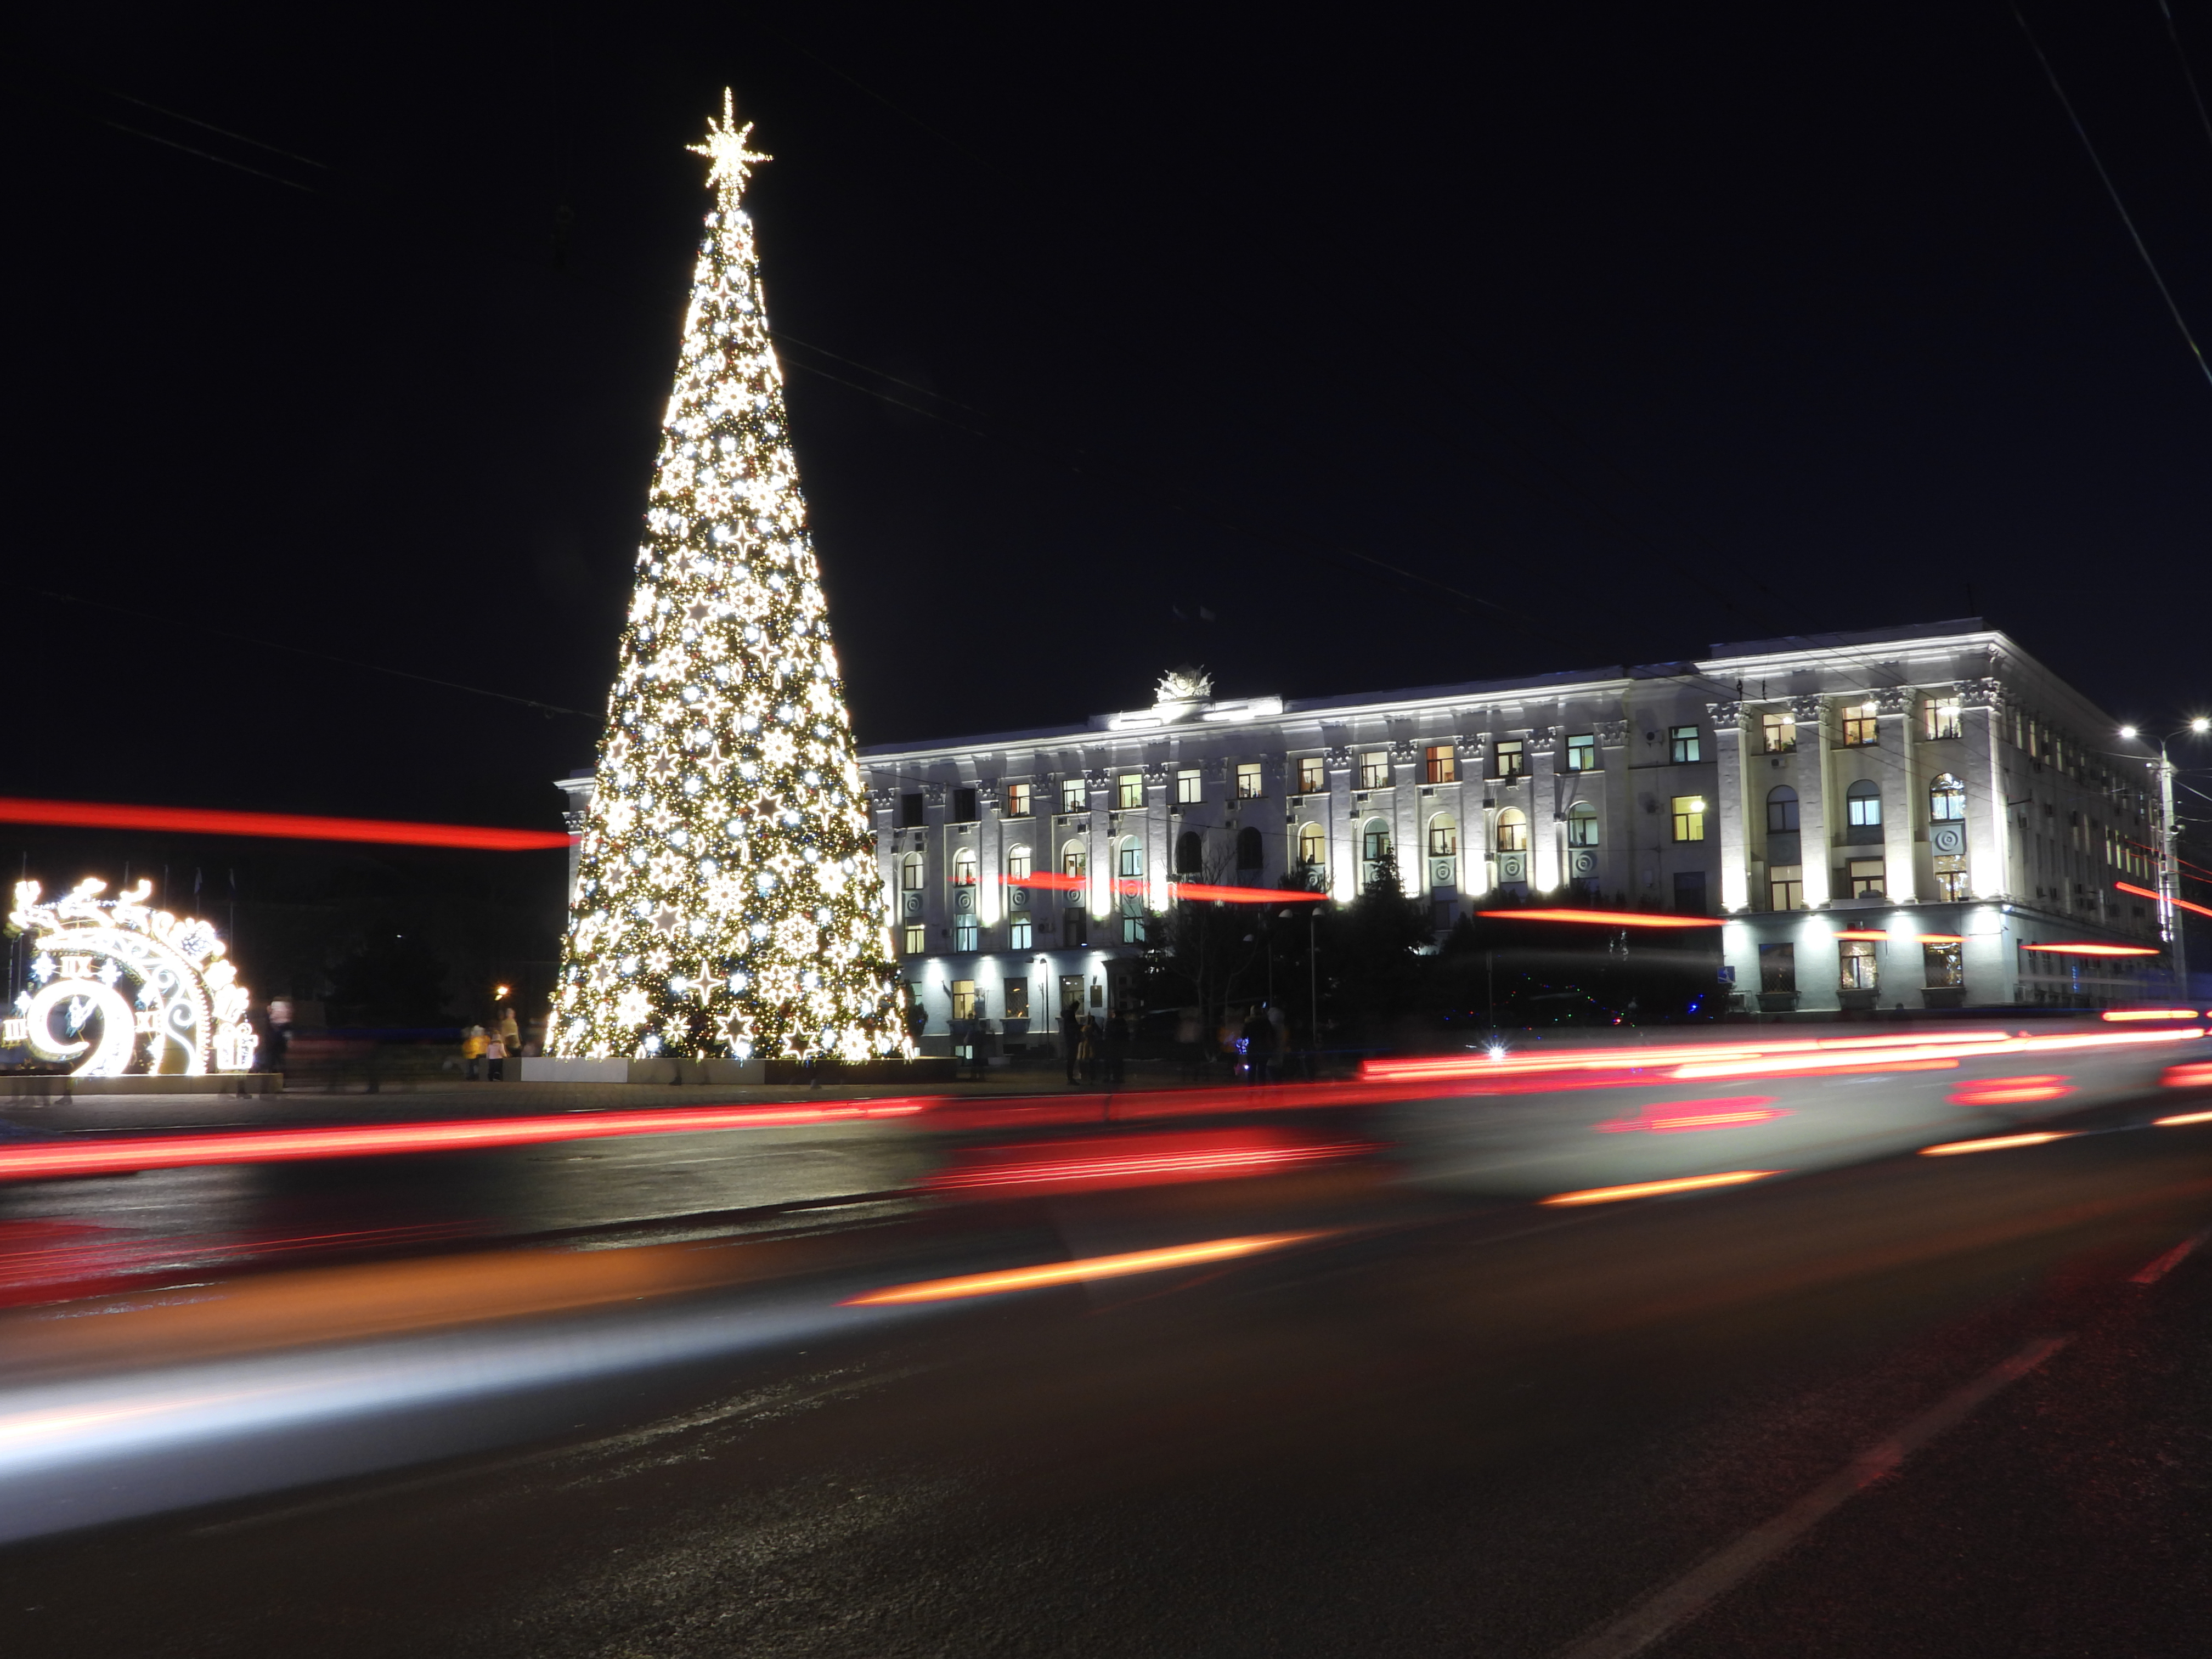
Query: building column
(1731, 807)
(1816, 857)
(1894, 723)
(1981, 715)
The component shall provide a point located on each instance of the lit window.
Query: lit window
(1073, 862)
(1785, 887)
(1133, 858)
(1689, 817)
(1129, 790)
(1018, 864)
(1375, 852)
(1864, 876)
(914, 939)
(1017, 800)
(1781, 733)
(1512, 830)
(1946, 964)
(964, 999)
(1016, 999)
(966, 935)
(1374, 769)
(1862, 806)
(1248, 780)
(1951, 877)
(1947, 800)
(1582, 753)
(1944, 720)
(964, 867)
(1860, 728)
(1313, 776)
(1443, 839)
(1443, 764)
(1511, 760)
(1312, 847)
(1855, 966)
(1190, 786)
(1074, 794)
(910, 869)
(1019, 937)
(1582, 824)
(1682, 744)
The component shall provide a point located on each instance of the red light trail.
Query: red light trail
(282, 826)
(1607, 918)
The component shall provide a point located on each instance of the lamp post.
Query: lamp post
(2169, 861)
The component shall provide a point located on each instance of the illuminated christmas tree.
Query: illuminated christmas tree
(727, 899)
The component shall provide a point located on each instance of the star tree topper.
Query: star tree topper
(726, 148)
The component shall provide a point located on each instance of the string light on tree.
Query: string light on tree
(728, 900)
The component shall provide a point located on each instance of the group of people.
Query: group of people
(1096, 1053)
(490, 1047)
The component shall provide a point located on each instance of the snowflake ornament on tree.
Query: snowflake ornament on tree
(728, 900)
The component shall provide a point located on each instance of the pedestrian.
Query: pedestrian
(495, 1058)
(472, 1047)
(1117, 1048)
(1259, 1045)
(1087, 1053)
(1071, 1036)
(510, 1033)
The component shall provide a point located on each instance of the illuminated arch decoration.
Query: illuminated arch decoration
(121, 989)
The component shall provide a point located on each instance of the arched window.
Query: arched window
(1018, 864)
(1444, 836)
(1190, 853)
(1782, 810)
(1582, 824)
(1131, 861)
(1249, 850)
(964, 867)
(910, 869)
(1947, 800)
(1512, 830)
(1074, 861)
(1375, 851)
(1313, 848)
(1862, 806)
(1129, 868)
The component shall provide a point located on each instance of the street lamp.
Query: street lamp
(2169, 859)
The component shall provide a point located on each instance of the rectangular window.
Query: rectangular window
(1075, 927)
(1443, 764)
(964, 999)
(1512, 759)
(966, 935)
(1860, 729)
(1017, 996)
(1778, 968)
(911, 813)
(1074, 794)
(1689, 817)
(1864, 876)
(1442, 912)
(914, 939)
(1951, 876)
(1190, 786)
(1582, 752)
(1020, 936)
(1944, 717)
(1017, 800)
(1133, 928)
(1444, 841)
(1785, 887)
(1129, 790)
(1248, 780)
(1682, 744)
(1374, 769)
(1781, 733)
(1946, 964)
(1313, 776)
(1856, 969)
(1689, 892)
(964, 806)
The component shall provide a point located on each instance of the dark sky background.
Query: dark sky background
(1654, 326)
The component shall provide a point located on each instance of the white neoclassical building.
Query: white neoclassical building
(1887, 818)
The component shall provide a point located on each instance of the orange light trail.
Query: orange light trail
(2187, 1076)
(1152, 1161)
(2120, 1015)
(1995, 1143)
(1077, 1272)
(1680, 1116)
(2145, 892)
(2008, 1091)
(284, 826)
(2181, 1118)
(1607, 918)
(2094, 949)
(40, 1159)
(1657, 1056)
(2005, 1045)
(1654, 1188)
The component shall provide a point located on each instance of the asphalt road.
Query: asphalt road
(1911, 1406)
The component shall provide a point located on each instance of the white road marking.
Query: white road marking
(1660, 1615)
(2151, 1273)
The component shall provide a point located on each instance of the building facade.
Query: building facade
(1883, 818)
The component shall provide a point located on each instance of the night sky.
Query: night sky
(1651, 326)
